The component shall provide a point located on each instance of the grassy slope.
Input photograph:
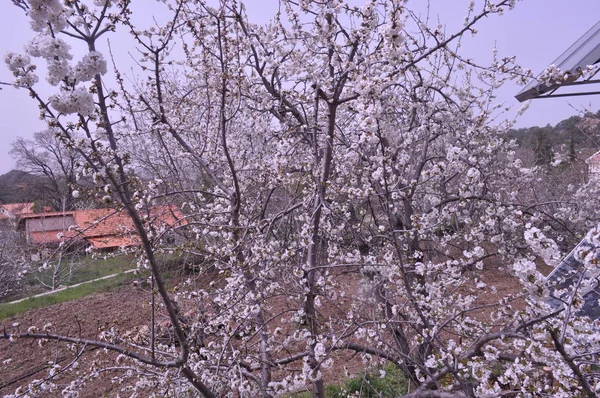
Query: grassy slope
(7, 310)
(86, 269)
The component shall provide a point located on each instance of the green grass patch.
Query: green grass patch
(8, 310)
(367, 385)
(372, 385)
(89, 269)
(73, 270)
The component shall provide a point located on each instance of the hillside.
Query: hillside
(571, 140)
(20, 186)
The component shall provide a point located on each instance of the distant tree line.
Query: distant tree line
(569, 139)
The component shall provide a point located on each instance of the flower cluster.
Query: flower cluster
(57, 54)
(77, 101)
(49, 48)
(92, 64)
(552, 75)
(543, 246)
(45, 13)
(22, 69)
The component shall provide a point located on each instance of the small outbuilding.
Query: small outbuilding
(102, 229)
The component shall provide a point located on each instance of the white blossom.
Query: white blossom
(22, 69)
(78, 101)
(44, 12)
(92, 64)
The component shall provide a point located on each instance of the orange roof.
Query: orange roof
(47, 214)
(168, 215)
(106, 228)
(46, 237)
(17, 209)
(103, 222)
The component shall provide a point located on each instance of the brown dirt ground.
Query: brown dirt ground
(86, 317)
(126, 308)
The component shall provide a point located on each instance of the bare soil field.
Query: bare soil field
(23, 361)
(125, 309)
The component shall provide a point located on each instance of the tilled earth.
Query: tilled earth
(24, 361)
(125, 309)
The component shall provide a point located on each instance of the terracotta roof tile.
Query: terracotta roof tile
(47, 214)
(170, 215)
(17, 209)
(103, 222)
(106, 228)
(50, 237)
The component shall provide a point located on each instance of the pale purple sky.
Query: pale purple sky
(536, 31)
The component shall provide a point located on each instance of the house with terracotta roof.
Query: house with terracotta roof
(48, 228)
(12, 211)
(593, 163)
(104, 229)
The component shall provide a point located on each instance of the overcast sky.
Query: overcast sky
(536, 31)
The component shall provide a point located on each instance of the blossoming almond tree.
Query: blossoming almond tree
(341, 176)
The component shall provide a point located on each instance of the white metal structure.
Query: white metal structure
(572, 62)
